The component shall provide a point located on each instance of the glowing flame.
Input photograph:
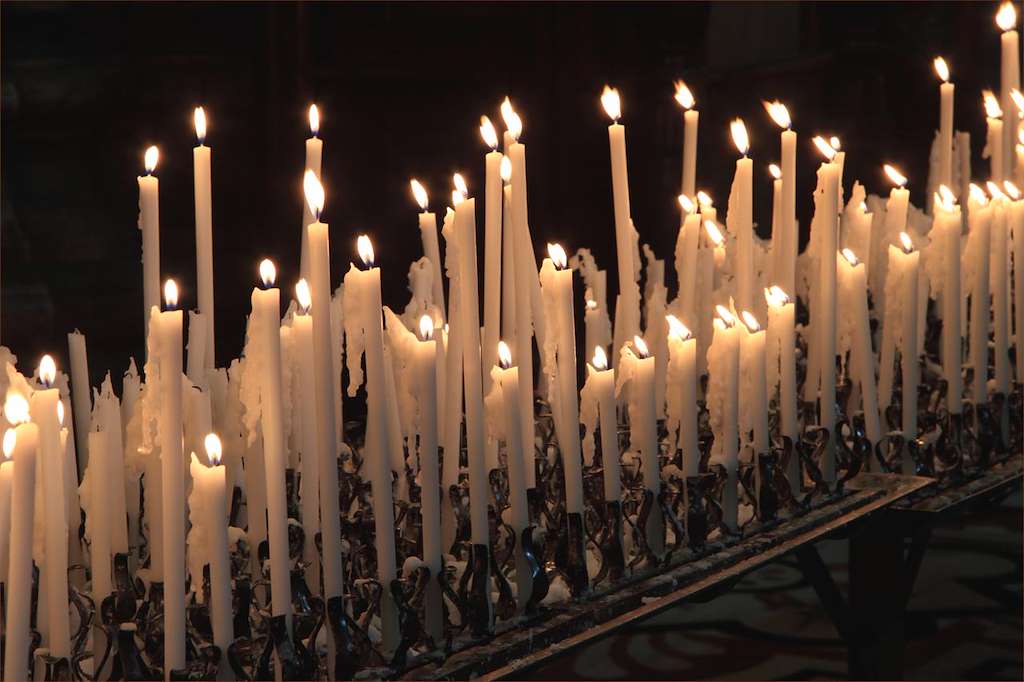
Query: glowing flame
(199, 117)
(850, 256)
(908, 245)
(151, 157)
(600, 360)
(978, 194)
(941, 69)
(47, 370)
(10, 440)
(779, 113)
(947, 196)
(835, 143)
(725, 316)
(1011, 189)
(750, 321)
(504, 355)
(426, 328)
(713, 232)
(419, 193)
(898, 179)
(684, 96)
(558, 257)
(1018, 100)
(611, 103)
(640, 348)
(775, 171)
(992, 108)
(505, 169)
(314, 193)
(677, 328)
(685, 203)
(314, 120)
(16, 408)
(994, 191)
(704, 199)
(302, 294)
(460, 185)
(591, 304)
(170, 293)
(775, 296)
(268, 273)
(1006, 17)
(513, 124)
(60, 412)
(365, 248)
(739, 136)
(457, 197)
(214, 450)
(827, 150)
(487, 132)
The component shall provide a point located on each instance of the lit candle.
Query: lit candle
(211, 483)
(54, 589)
(149, 223)
(1009, 75)
(895, 224)
(204, 230)
(754, 390)
(777, 245)
(428, 236)
(97, 522)
(786, 250)
(690, 118)
(508, 254)
(782, 339)
(979, 221)
(903, 264)
(947, 227)
(1015, 220)
(681, 395)
(852, 280)
(994, 140)
(723, 406)
(81, 398)
(20, 447)
(1000, 279)
(740, 220)
(425, 366)
(644, 436)
(601, 380)
(6, 474)
(687, 254)
(314, 156)
(319, 282)
(627, 318)
(945, 123)
(309, 479)
(493, 194)
(266, 307)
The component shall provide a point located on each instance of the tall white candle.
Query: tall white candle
(309, 480)
(204, 230)
(508, 254)
(994, 139)
(690, 118)
(740, 220)
(852, 280)
(97, 522)
(314, 157)
(149, 223)
(786, 251)
(979, 219)
(493, 194)
(602, 378)
(211, 482)
(723, 406)
(782, 335)
(425, 367)
(825, 322)
(947, 226)
(895, 223)
(903, 264)
(687, 258)
(681, 394)
(1000, 280)
(1009, 77)
(754, 390)
(6, 474)
(81, 398)
(644, 437)
(19, 576)
(946, 90)
(428, 237)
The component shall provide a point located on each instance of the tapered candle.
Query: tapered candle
(945, 123)
(98, 524)
(785, 254)
(493, 194)
(895, 223)
(852, 280)
(644, 436)
(428, 236)
(723, 406)
(782, 332)
(690, 118)
(204, 230)
(994, 139)
(22, 449)
(903, 264)
(602, 379)
(754, 389)
(211, 480)
(149, 223)
(326, 453)
(508, 254)
(314, 157)
(681, 394)
(309, 479)
(825, 317)
(688, 252)
(81, 397)
(1009, 77)
(425, 367)
(947, 227)
(1000, 279)
(979, 220)
(739, 219)
(776, 247)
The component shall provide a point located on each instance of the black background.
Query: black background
(401, 87)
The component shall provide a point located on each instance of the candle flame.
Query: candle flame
(314, 192)
(994, 191)
(750, 321)
(947, 195)
(513, 124)
(314, 120)
(302, 295)
(704, 199)
(487, 132)
(199, 117)
(684, 96)
(992, 108)
(898, 179)
(60, 412)
(677, 328)
(16, 408)
(739, 136)
(214, 450)
(1006, 17)
(978, 194)
(775, 296)
(850, 256)
(365, 248)
(47, 370)
(685, 203)
(827, 150)
(10, 441)
(170, 293)
(835, 143)
(460, 185)
(775, 171)
(504, 355)
(419, 193)
(779, 113)
(640, 348)
(727, 318)
(268, 273)
(558, 257)
(713, 232)
(505, 169)
(151, 157)
(600, 359)
(591, 304)
(1011, 189)
(908, 245)
(941, 69)
(457, 197)
(611, 103)
(1018, 100)
(426, 328)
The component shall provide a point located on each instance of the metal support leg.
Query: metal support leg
(878, 583)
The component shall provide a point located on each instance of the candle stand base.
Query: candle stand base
(570, 557)
(609, 543)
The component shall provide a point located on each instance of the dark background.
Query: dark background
(401, 87)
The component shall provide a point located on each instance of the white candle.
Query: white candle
(602, 380)
(687, 255)
(266, 306)
(785, 251)
(428, 237)
(946, 90)
(825, 316)
(895, 223)
(149, 223)
(81, 398)
(97, 522)
(690, 119)
(493, 194)
(211, 483)
(1015, 221)
(508, 254)
(681, 394)
(723, 406)
(326, 453)
(22, 449)
(309, 480)
(6, 474)
(204, 230)
(739, 219)
(852, 280)
(903, 264)
(1009, 76)
(1000, 280)
(644, 437)
(979, 219)
(994, 139)
(314, 156)
(947, 226)
(782, 335)
(754, 390)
